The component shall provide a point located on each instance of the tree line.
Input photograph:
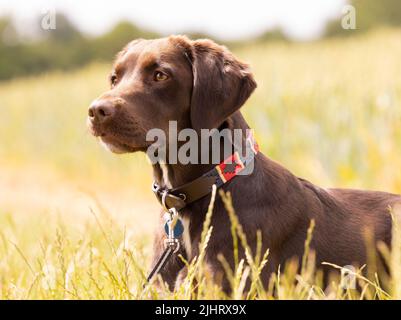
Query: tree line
(65, 47)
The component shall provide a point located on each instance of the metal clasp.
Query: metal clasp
(172, 242)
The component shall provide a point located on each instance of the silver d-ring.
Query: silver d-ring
(164, 195)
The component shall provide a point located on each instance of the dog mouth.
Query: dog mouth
(115, 146)
(113, 142)
(96, 132)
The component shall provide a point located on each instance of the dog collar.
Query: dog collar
(178, 198)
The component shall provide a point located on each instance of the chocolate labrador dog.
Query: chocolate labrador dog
(201, 85)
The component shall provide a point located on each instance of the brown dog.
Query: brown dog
(200, 84)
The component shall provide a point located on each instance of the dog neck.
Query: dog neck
(174, 175)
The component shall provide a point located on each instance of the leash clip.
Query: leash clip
(172, 242)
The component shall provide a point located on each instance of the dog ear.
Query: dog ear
(221, 85)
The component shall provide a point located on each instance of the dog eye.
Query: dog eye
(113, 79)
(160, 76)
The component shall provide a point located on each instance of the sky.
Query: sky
(225, 19)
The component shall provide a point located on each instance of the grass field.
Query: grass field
(76, 221)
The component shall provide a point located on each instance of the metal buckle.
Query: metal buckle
(166, 194)
(162, 194)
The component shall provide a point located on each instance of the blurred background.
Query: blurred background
(327, 104)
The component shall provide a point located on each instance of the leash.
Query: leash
(171, 244)
(174, 200)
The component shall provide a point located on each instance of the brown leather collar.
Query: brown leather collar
(178, 198)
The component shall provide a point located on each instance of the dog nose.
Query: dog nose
(100, 110)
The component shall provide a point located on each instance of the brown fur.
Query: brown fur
(206, 87)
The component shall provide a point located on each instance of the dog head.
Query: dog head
(198, 84)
